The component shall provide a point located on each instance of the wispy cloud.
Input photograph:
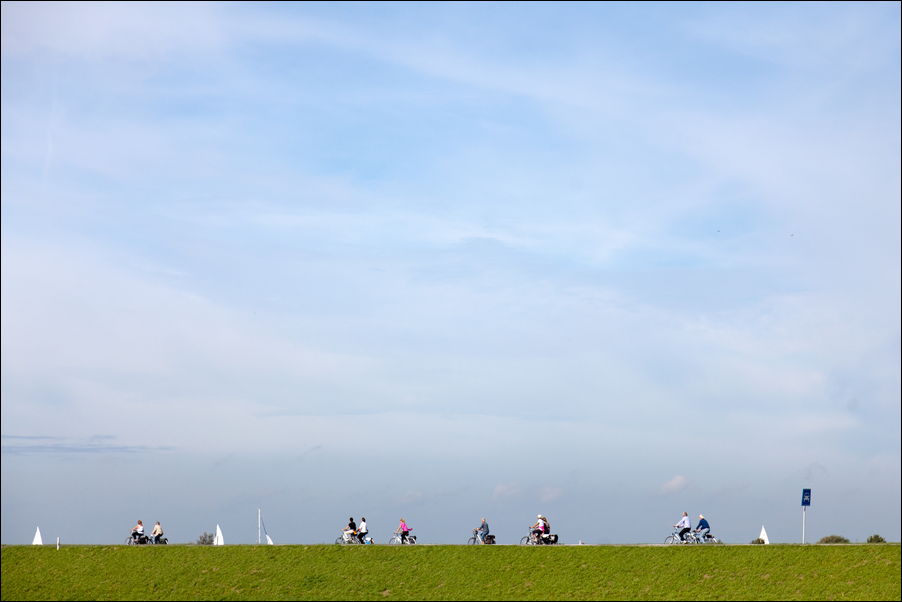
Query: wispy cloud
(19, 445)
(506, 490)
(550, 494)
(674, 485)
(110, 31)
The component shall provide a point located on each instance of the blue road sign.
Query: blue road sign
(806, 497)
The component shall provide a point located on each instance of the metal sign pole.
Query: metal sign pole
(806, 501)
(803, 523)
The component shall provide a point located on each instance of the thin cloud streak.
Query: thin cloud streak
(674, 485)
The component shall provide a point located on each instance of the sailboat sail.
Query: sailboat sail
(261, 524)
(763, 535)
(38, 540)
(218, 540)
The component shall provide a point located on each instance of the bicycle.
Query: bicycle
(347, 538)
(708, 538)
(474, 540)
(542, 540)
(396, 539)
(675, 537)
(145, 540)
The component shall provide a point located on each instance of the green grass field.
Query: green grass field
(777, 572)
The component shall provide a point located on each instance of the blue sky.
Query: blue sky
(608, 262)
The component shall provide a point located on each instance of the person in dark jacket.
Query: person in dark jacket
(703, 528)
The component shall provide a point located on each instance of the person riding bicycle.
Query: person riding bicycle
(362, 530)
(684, 525)
(539, 529)
(404, 530)
(702, 526)
(481, 531)
(138, 531)
(157, 532)
(351, 530)
(547, 533)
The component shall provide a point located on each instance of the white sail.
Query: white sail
(763, 535)
(262, 526)
(38, 540)
(218, 540)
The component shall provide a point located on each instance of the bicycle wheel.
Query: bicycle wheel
(525, 540)
(130, 541)
(338, 540)
(394, 540)
(671, 539)
(471, 541)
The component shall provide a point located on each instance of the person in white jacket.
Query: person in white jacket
(138, 531)
(684, 525)
(362, 530)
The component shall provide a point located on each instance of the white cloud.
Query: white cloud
(674, 485)
(506, 490)
(104, 30)
(839, 40)
(549, 494)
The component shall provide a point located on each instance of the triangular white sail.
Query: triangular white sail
(38, 540)
(262, 526)
(218, 540)
(763, 535)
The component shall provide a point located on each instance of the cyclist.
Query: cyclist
(404, 530)
(703, 528)
(157, 532)
(362, 530)
(538, 529)
(138, 531)
(546, 537)
(482, 531)
(351, 530)
(684, 525)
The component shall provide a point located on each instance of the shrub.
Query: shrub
(757, 540)
(205, 539)
(876, 539)
(833, 539)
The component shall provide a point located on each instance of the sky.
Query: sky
(605, 262)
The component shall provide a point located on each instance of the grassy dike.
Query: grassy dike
(776, 572)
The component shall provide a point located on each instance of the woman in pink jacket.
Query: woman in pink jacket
(404, 530)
